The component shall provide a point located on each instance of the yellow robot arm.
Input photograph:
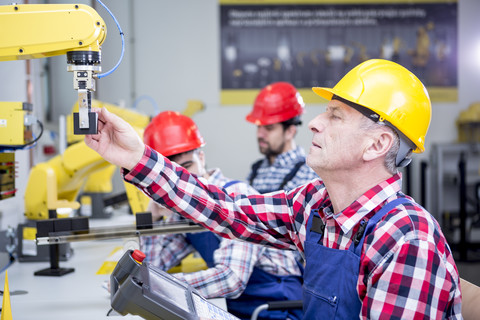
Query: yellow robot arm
(54, 185)
(45, 30)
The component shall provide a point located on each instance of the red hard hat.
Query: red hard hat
(276, 103)
(172, 133)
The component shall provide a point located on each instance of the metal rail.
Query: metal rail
(117, 232)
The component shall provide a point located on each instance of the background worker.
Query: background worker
(277, 113)
(248, 275)
(370, 249)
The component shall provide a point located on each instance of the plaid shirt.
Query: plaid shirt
(407, 270)
(270, 177)
(234, 260)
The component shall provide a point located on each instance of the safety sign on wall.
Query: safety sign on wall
(310, 43)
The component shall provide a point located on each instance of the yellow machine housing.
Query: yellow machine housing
(191, 263)
(54, 185)
(45, 30)
(468, 124)
(15, 123)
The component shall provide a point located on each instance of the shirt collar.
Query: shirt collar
(367, 202)
(216, 177)
(291, 156)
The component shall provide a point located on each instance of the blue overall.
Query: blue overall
(261, 288)
(205, 243)
(286, 179)
(331, 275)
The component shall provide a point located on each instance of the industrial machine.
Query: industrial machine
(141, 289)
(53, 187)
(45, 30)
(16, 122)
(78, 179)
(7, 175)
(34, 31)
(16, 132)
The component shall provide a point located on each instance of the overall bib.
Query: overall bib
(331, 275)
(262, 287)
(287, 178)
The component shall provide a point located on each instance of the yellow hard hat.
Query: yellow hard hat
(391, 91)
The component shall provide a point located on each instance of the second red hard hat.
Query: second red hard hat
(276, 103)
(172, 133)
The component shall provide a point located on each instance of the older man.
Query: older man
(371, 251)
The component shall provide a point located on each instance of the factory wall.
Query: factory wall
(173, 55)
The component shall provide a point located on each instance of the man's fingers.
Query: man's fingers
(101, 124)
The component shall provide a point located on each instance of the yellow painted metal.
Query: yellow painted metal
(55, 184)
(191, 263)
(100, 181)
(193, 106)
(29, 233)
(32, 31)
(137, 200)
(13, 131)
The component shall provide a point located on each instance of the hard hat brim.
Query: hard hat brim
(326, 93)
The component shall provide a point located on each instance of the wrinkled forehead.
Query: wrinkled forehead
(375, 117)
(341, 109)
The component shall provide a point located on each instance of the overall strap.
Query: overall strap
(372, 222)
(230, 183)
(317, 224)
(255, 167)
(292, 173)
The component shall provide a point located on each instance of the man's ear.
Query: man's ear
(290, 132)
(201, 157)
(378, 145)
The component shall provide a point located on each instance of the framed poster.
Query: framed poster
(314, 43)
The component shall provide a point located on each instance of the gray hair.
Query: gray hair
(391, 156)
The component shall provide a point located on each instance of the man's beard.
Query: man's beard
(268, 151)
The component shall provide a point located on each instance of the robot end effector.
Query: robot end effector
(45, 30)
(84, 65)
